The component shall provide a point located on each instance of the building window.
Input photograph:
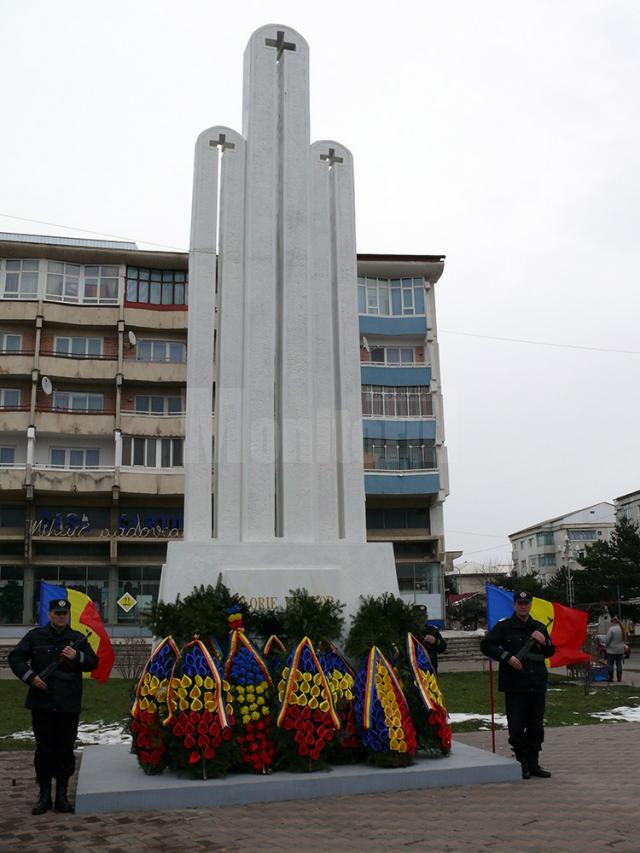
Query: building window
(151, 404)
(88, 285)
(19, 279)
(78, 347)
(396, 402)
(581, 535)
(10, 342)
(522, 544)
(523, 564)
(546, 560)
(142, 452)
(76, 401)
(387, 455)
(396, 297)
(419, 577)
(74, 457)
(156, 288)
(545, 538)
(394, 356)
(141, 582)
(397, 519)
(172, 351)
(533, 562)
(7, 456)
(9, 398)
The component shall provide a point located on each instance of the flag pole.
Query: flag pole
(492, 705)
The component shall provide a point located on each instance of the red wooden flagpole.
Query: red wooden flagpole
(493, 722)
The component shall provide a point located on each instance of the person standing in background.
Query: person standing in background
(615, 641)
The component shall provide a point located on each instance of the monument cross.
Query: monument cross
(221, 142)
(272, 264)
(331, 158)
(280, 44)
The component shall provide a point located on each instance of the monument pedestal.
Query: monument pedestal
(264, 572)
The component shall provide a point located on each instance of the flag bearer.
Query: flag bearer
(521, 644)
(55, 701)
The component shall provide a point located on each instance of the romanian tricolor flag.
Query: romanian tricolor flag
(83, 616)
(567, 626)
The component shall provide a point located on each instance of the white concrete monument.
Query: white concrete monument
(273, 253)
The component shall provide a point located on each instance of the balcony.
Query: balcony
(12, 477)
(170, 426)
(73, 314)
(58, 365)
(71, 422)
(144, 318)
(19, 309)
(417, 374)
(16, 363)
(14, 418)
(152, 481)
(154, 371)
(401, 483)
(53, 478)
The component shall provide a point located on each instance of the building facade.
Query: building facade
(93, 344)
(628, 506)
(547, 546)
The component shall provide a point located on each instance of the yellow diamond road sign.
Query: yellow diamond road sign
(127, 602)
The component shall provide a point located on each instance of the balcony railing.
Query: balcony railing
(17, 352)
(83, 356)
(417, 459)
(49, 407)
(93, 469)
(20, 407)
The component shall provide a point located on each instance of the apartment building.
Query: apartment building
(93, 347)
(560, 541)
(628, 506)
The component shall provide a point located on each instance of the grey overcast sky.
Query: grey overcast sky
(504, 134)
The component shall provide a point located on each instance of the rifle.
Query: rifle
(53, 666)
(524, 651)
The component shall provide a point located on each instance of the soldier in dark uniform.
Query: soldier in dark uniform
(522, 679)
(434, 643)
(54, 704)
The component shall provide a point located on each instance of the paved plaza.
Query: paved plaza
(591, 803)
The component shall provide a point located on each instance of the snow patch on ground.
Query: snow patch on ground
(500, 719)
(89, 734)
(623, 714)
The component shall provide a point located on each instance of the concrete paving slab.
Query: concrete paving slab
(110, 780)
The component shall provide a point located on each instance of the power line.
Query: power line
(540, 343)
(86, 231)
(473, 533)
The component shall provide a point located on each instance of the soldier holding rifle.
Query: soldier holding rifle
(521, 644)
(51, 661)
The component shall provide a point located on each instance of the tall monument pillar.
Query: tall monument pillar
(272, 265)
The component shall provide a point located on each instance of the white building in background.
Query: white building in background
(628, 506)
(547, 546)
(471, 576)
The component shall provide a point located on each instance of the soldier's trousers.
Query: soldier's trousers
(55, 736)
(525, 718)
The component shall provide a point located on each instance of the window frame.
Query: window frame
(3, 343)
(81, 283)
(141, 446)
(153, 343)
(18, 295)
(11, 406)
(156, 290)
(71, 338)
(72, 395)
(397, 401)
(399, 454)
(165, 405)
(67, 451)
(3, 449)
(392, 297)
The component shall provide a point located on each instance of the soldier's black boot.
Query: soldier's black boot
(535, 769)
(62, 803)
(524, 763)
(43, 803)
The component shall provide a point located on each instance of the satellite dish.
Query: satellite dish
(365, 343)
(47, 387)
(132, 338)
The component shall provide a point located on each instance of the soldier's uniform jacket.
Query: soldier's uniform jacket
(505, 639)
(40, 647)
